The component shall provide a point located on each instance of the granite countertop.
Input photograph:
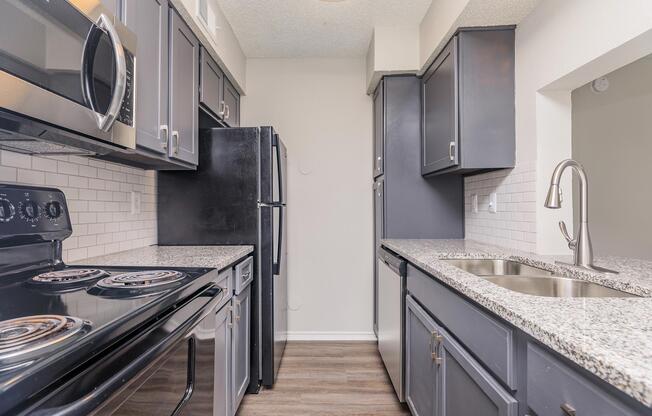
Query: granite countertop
(610, 337)
(217, 257)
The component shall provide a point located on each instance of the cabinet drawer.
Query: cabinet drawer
(491, 341)
(553, 386)
(225, 282)
(244, 274)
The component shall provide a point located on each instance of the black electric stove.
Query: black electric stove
(82, 339)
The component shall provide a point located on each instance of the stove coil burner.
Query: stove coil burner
(141, 280)
(25, 338)
(69, 276)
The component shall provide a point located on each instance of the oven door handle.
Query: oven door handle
(105, 121)
(98, 396)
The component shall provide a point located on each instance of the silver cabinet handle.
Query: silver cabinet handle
(164, 136)
(568, 409)
(230, 323)
(222, 109)
(451, 150)
(379, 160)
(435, 340)
(237, 316)
(105, 121)
(175, 142)
(228, 112)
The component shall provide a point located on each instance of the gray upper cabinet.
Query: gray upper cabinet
(468, 104)
(439, 115)
(421, 361)
(379, 129)
(241, 345)
(184, 91)
(211, 86)
(149, 21)
(231, 104)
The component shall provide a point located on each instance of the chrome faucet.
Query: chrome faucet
(581, 243)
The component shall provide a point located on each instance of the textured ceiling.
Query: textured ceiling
(315, 28)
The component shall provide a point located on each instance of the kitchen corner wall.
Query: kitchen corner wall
(322, 112)
(514, 225)
(98, 195)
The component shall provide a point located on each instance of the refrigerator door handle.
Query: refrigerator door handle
(279, 169)
(276, 266)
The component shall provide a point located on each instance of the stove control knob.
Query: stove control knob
(53, 210)
(30, 211)
(7, 210)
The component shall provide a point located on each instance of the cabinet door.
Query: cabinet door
(241, 345)
(421, 364)
(379, 130)
(466, 388)
(440, 112)
(184, 91)
(379, 233)
(232, 104)
(148, 19)
(211, 92)
(222, 396)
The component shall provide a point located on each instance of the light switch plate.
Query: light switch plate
(135, 202)
(493, 202)
(474, 203)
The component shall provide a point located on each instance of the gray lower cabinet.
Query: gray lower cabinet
(468, 104)
(148, 19)
(466, 387)
(231, 104)
(223, 363)
(184, 91)
(421, 366)
(442, 378)
(241, 345)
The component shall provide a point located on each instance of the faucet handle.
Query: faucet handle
(572, 243)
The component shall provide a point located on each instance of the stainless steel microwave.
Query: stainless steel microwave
(67, 78)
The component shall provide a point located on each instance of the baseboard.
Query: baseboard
(330, 336)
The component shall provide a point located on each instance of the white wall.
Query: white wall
(322, 112)
(97, 194)
(612, 139)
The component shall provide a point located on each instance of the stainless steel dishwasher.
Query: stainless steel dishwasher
(391, 314)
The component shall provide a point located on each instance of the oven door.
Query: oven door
(69, 64)
(167, 370)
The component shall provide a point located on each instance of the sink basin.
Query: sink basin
(531, 280)
(495, 267)
(558, 287)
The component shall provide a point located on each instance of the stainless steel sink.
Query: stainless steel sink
(496, 267)
(557, 287)
(531, 280)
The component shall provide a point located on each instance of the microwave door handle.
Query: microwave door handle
(105, 121)
(90, 47)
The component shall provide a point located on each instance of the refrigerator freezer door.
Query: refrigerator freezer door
(281, 296)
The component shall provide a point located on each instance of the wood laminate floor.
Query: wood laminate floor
(327, 378)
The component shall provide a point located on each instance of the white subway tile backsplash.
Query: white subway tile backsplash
(514, 225)
(98, 195)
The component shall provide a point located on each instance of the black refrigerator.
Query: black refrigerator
(237, 196)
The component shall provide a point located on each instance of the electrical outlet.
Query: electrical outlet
(135, 202)
(474, 203)
(493, 202)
